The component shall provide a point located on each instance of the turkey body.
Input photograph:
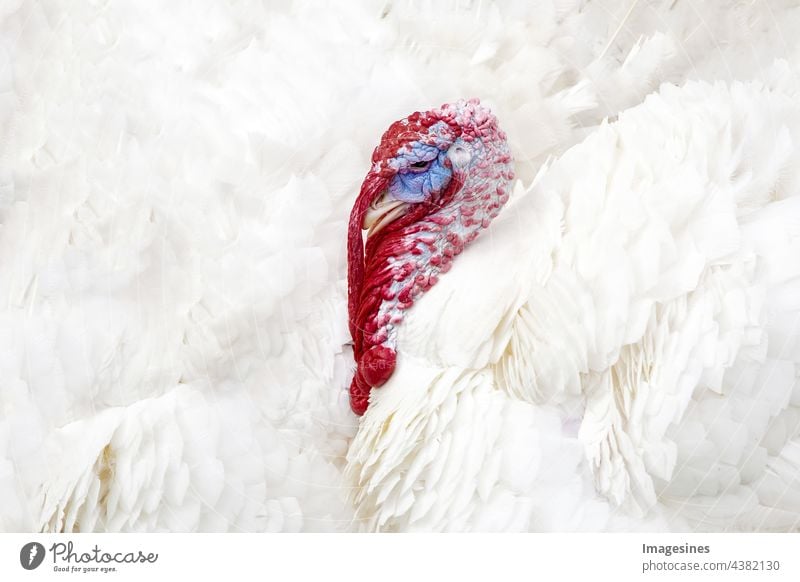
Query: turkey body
(620, 349)
(617, 351)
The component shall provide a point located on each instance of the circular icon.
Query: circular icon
(31, 555)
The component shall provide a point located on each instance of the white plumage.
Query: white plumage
(636, 292)
(175, 182)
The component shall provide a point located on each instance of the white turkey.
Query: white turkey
(629, 327)
(175, 186)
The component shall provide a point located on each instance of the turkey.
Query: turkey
(622, 343)
(176, 344)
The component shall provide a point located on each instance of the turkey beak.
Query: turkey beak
(383, 210)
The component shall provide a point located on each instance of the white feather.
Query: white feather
(175, 180)
(629, 288)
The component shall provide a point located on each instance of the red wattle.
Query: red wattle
(373, 185)
(359, 395)
(374, 369)
(377, 364)
(369, 284)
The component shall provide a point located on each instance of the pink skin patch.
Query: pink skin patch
(406, 257)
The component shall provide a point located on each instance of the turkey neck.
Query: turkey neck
(407, 258)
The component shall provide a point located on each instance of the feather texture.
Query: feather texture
(175, 180)
(628, 291)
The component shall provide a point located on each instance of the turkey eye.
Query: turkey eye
(422, 164)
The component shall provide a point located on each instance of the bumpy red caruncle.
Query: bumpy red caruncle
(468, 185)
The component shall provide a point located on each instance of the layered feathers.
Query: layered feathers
(175, 182)
(627, 306)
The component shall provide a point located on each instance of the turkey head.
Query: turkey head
(437, 179)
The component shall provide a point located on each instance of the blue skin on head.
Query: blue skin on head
(418, 183)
